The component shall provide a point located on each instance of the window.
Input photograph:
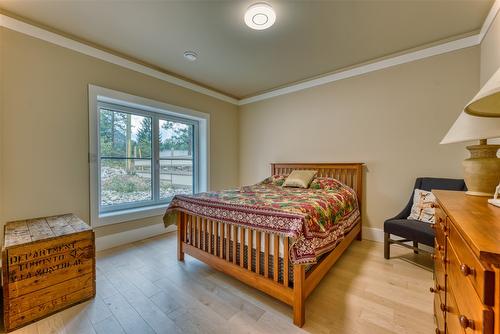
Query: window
(143, 156)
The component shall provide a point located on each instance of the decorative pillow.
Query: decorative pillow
(325, 183)
(299, 178)
(276, 180)
(423, 208)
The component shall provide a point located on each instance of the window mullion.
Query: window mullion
(156, 158)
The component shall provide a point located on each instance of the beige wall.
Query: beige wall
(45, 127)
(393, 120)
(490, 51)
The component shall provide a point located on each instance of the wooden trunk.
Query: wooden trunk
(48, 264)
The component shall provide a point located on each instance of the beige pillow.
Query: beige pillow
(423, 208)
(299, 178)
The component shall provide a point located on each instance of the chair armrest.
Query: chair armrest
(401, 215)
(406, 211)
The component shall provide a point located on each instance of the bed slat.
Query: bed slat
(257, 260)
(205, 233)
(285, 261)
(221, 249)
(216, 238)
(198, 232)
(250, 247)
(276, 252)
(185, 228)
(266, 255)
(242, 247)
(228, 241)
(191, 230)
(235, 242)
(210, 234)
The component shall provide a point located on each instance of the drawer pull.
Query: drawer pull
(465, 322)
(466, 270)
(436, 289)
(443, 307)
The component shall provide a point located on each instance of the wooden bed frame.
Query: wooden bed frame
(217, 254)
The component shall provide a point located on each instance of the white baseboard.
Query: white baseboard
(377, 234)
(373, 234)
(122, 238)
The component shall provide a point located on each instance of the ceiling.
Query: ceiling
(309, 38)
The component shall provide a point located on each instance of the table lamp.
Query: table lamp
(482, 169)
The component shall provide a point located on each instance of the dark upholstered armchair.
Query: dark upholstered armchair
(411, 230)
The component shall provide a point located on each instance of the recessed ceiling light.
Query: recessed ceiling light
(260, 16)
(190, 55)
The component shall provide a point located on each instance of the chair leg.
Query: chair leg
(415, 244)
(387, 245)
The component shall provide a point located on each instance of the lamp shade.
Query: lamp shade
(468, 127)
(487, 102)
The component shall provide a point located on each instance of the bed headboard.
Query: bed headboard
(350, 174)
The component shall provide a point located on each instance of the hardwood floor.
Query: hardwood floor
(141, 288)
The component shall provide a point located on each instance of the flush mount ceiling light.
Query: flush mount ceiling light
(190, 55)
(260, 16)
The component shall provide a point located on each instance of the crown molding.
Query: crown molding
(371, 67)
(385, 63)
(37, 32)
(489, 20)
(51, 37)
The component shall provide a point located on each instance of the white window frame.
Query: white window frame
(150, 108)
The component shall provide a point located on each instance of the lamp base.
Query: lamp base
(478, 193)
(482, 169)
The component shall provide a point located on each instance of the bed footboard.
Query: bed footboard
(226, 247)
(233, 250)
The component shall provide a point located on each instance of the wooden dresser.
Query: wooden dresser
(467, 262)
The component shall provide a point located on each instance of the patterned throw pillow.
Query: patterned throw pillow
(276, 180)
(299, 178)
(325, 183)
(423, 208)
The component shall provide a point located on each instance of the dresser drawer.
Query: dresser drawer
(481, 278)
(439, 315)
(452, 314)
(474, 317)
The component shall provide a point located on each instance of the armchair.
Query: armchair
(411, 230)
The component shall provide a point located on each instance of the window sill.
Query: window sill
(130, 214)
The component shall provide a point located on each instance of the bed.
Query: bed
(276, 250)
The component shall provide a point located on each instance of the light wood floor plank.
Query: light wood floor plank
(96, 310)
(108, 325)
(150, 312)
(129, 319)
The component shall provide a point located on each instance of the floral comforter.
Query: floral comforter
(316, 218)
